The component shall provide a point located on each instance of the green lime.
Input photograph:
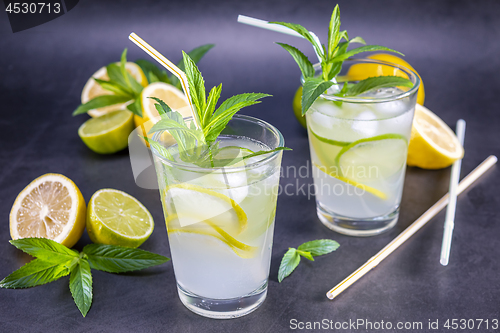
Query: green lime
(109, 133)
(297, 107)
(376, 157)
(117, 218)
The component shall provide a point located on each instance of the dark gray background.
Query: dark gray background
(454, 45)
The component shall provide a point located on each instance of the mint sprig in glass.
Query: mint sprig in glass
(218, 175)
(358, 127)
(332, 57)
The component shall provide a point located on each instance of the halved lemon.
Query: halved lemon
(52, 207)
(117, 218)
(92, 89)
(433, 145)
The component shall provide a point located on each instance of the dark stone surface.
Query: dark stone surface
(452, 44)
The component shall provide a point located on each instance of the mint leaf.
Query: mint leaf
(305, 254)
(115, 76)
(196, 54)
(366, 48)
(319, 247)
(196, 84)
(118, 259)
(290, 261)
(99, 102)
(35, 273)
(153, 73)
(45, 249)
(136, 106)
(376, 83)
(262, 152)
(333, 31)
(113, 87)
(159, 148)
(357, 40)
(80, 285)
(312, 89)
(161, 107)
(213, 97)
(306, 67)
(304, 33)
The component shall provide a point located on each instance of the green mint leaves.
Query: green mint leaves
(55, 261)
(308, 250)
(331, 59)
(200, 145)
(124, 88)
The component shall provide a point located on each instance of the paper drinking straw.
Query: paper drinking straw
(275, 27)
(170, 67)
(413, 228)
(449, 222)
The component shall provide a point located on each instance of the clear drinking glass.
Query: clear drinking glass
(358, 150)
(220, 221)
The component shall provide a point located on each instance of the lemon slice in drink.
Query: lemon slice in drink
(109, 133)
(52, 207)
(371, 158)
(210, 229)
(117, 218)
(194, 204)
(92, 89)
(433, 145)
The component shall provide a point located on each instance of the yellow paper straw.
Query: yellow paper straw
(413, 228)
(170, 67)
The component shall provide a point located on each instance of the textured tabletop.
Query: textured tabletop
(453, 45)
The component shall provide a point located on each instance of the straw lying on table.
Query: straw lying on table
(413, 228)
(449, 222)
(170, 67)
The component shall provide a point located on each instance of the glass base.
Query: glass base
(360, 227)
(223, 308)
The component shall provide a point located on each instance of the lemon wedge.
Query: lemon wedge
(433, 145)
(92, 89)
(52, 207)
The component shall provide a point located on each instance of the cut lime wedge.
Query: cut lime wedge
(378, 157)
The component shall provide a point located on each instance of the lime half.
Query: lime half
(378, 157)
(117, 218)
(109, 133)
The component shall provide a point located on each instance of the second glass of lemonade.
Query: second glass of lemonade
(358, 150)
(220, 221)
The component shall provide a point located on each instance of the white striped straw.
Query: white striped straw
(275, 27)
(449, 223)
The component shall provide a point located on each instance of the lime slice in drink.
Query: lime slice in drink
(210, 229)
(194, 204)
(109, 133)
(369, 159)
(116, 218)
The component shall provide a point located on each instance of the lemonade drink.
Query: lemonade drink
(358, 152)
(220, 221)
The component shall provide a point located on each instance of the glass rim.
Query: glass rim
(194, 168)
(411, 74)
